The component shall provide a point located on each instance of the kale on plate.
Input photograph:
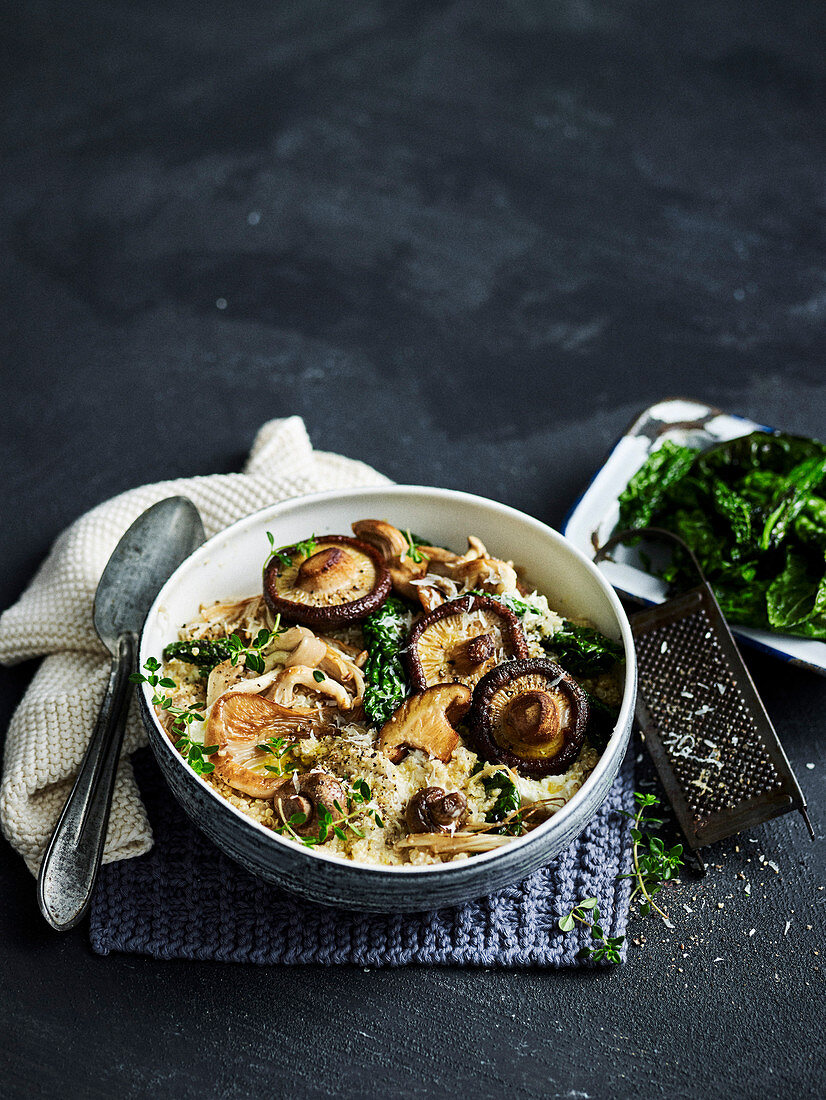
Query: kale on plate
(753, 510)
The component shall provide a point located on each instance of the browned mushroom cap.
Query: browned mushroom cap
(303, 794)
(530, 715)
(343, 580)
(426, 722)
(462, 640)
(430, 810)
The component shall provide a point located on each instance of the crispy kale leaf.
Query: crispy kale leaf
(583, 651)
(205, 654)
(753, 511)
(386, 684)
(508, 800)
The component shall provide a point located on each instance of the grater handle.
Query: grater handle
(635, 532)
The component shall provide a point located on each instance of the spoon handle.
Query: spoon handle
(70, 865)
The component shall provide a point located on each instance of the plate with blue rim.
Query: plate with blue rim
(594, 515)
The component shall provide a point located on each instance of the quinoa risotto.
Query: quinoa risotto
(394, 702)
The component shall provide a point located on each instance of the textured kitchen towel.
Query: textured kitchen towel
(53, 619)
(186, 900)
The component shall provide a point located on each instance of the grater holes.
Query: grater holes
(712, 741)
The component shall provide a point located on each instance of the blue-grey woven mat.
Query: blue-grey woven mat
(186, 900)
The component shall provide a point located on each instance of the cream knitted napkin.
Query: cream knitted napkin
(53, 619)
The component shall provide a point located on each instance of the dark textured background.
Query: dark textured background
(466, 242)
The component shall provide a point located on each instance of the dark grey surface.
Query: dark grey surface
(485, 236)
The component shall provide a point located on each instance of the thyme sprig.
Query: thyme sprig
(182, 717)
(206, 653)
(587, 913)
(654, 865)
(252, 654)
(357, 797)
(303, 549)
(413, 550)
(279, 749)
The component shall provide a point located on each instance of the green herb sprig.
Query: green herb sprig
(205, 654)
(303, 549)
(654, 865)
(193, 751)
(586, 912)
(357, 797)
(412, 550)
(252, 654)
(278, 749)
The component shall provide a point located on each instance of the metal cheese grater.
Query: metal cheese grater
(712, 742)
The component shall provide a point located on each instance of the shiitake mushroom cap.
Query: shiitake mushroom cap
(341, 582)
(529, 714)
(467, 657)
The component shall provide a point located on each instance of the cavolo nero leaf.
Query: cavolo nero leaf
(753, 511)
(647, 489)
(507, 800)
(582, 650)
(802, 480)
(796, 596)
(385, 681)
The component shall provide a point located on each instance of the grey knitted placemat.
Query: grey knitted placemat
(185, 899)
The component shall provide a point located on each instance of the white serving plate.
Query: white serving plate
(595, 514)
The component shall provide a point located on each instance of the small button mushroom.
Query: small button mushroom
(340, 582)
(462, 640)
(304, 794)
(425, 722)
(430, 810)
(530, 715)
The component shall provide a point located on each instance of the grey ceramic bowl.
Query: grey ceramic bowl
(229, 566)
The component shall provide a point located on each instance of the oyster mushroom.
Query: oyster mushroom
(426, 722)
(238, 724)
(462, 640)
(430, 810)
(310, 679)
(530, 715)
(477, 569)
(440, 574)
(394, 549)
(342, 581)
(303, 794)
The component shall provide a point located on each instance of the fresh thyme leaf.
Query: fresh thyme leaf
(282, 555)
(318, 676)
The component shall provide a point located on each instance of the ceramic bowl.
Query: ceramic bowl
(229, 566)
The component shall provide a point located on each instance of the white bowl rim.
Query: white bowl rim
(557, 821)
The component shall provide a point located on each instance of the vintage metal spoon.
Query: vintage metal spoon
(153, 547)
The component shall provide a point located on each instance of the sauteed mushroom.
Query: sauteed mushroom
(303, 794)
(462, 640)
(340, 582)
(430, 810)
(531, 715)
(426, 722)
(238, 723)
